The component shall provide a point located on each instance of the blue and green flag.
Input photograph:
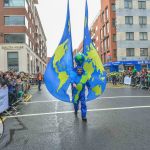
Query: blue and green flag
(56, 76)
(93, 65)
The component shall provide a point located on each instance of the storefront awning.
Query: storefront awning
(117, 63)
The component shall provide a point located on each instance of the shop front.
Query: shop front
(120, 66)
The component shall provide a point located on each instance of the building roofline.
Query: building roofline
(96, 17)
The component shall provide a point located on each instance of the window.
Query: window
(97, 38)
(129, 20)
(107, 26)
(14, 38)
(96, 28)
(113, 6)
(104, 57)
(129, 35)
(142, 20)
(28, 63)
(144, 52)
(114, 22)
(114, 38)
(106, 13)
(108, 43)
(14, 3)
(103, 18)
(14, 20)
(101, 33)
(115, 53)
(130, 52)
(105, 44)
(142, 4)
(143, 36)
(105, 32)
(12, 61)
(128, 4)
(102, 44)
(93, 40)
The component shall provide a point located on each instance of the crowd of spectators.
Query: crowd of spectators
(138, 79)
(18, 85)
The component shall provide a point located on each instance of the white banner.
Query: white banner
(127, 80)
(3, 99)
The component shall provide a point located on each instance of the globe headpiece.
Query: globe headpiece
(79, 59)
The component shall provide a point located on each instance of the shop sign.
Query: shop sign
(10, 47)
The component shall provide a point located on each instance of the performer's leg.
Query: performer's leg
(83, 108)
(76, 107)
(39, 85)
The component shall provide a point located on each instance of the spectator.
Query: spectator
(138, 79)
(2, 80)
(114, 79)
(39, 79)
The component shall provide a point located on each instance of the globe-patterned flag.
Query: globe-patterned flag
(93, 65)
(56, 76)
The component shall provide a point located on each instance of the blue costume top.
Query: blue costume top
(78, 92)
(81, 80)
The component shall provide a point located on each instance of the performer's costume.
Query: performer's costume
(78, 93)
(60, 72)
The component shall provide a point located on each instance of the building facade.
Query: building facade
(108, 49)
(22, 39)
(121, 34)
(95, 34)
(103, 32)
(133, 32)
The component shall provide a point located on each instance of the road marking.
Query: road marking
(68, 112)
(115, 97)
(111, 86)
(125, 97)
(34, 102)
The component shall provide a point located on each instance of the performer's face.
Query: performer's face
(79, 71)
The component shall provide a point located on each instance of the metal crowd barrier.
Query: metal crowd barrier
(136, 81)
(20, 90)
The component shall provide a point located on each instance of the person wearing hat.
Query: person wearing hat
(79, 81)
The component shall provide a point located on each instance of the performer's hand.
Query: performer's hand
(74, 85)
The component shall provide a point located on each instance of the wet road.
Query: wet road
(119, 121)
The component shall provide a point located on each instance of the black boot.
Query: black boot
(76, 113)
(84, 119)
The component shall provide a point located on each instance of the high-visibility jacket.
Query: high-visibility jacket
(40, 77)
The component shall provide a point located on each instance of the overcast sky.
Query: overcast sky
(53, 16)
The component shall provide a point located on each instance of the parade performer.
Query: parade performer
(89, 71)
(79, 79)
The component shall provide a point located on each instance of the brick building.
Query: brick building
(103, 32)
(22, 39)
(95, 33)
(108, 31)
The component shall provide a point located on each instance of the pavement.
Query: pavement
(118, 121)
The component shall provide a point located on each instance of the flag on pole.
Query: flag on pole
(93, 65)
(56, 76)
